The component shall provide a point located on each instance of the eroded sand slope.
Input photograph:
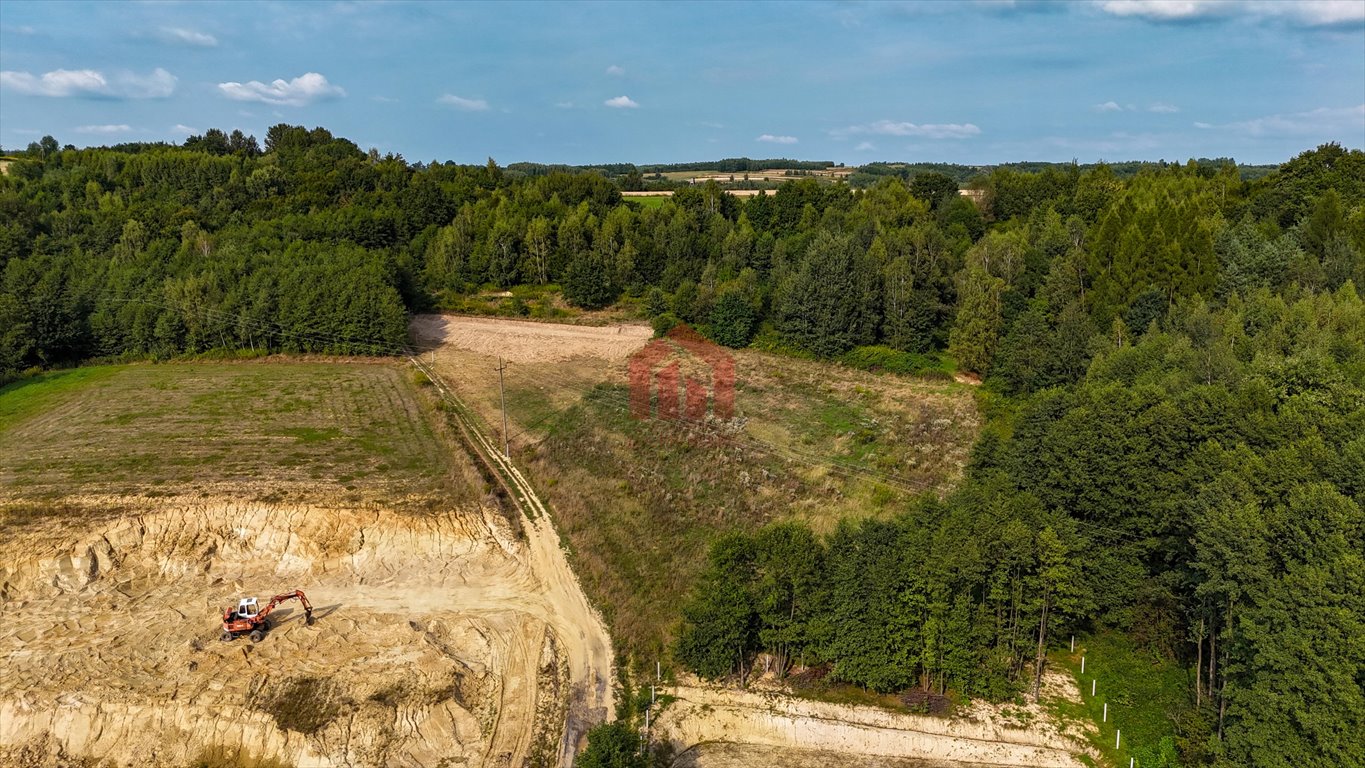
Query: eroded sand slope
(433, 643)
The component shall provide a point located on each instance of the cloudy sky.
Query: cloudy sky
(972, 82)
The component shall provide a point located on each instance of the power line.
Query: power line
(610, 400)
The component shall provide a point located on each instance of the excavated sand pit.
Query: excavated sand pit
(435, 643)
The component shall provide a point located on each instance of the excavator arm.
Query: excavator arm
(287, 596)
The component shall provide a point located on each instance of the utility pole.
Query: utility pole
(502, 395)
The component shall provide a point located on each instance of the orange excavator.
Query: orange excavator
(250, 619)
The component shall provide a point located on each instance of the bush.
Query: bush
(879, 358)
(664, 323)
(733, 321)
(612, 745)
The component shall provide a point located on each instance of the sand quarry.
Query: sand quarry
(442, 638)
(436, 642)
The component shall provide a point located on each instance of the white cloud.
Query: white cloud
(459, 102)
(711, 124)
(615, 70)
(106, 129)
(621, 102)
(1162, 108)
(1108, 106)
(157, 85)
(181, 128)
(60, 83)
(865, 146)
(771, 139)
(1323, 122)
(1312, 13)
(384, 99)
(304, 89)
(924, 130)
(182, 36)
(1162, 10)
(564, 104)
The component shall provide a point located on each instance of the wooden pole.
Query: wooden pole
(502, 395)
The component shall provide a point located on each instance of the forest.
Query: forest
(1173, 362)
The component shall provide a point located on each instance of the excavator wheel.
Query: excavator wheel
(226, 636)
(309, 620)
(256, 635)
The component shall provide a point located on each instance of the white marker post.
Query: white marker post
(1092, 688)
(1117, 735)
(1082, 665)
(1073, 643)
(1106, 713)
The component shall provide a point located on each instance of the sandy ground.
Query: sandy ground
(791, 731)
(523, 341)
(436, 642)
(724, 754)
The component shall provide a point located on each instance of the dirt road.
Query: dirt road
(574, 622)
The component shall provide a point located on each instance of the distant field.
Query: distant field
(295, 431)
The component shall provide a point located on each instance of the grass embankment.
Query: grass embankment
(327, 432)
(536, 302)
(1145, 693)
(639, 502)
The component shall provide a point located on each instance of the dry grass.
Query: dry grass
(638, 502)
(349, 432)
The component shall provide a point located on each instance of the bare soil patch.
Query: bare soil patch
(525, 341)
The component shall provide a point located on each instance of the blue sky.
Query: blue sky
(971, 82)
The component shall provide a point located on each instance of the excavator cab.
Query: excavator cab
(247, 608)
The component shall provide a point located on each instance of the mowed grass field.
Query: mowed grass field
(279, 431)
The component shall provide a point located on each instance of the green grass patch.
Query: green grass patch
(879, 359)
(1146, 695)
(649, 201)
(34, 394)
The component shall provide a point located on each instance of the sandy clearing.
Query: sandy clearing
(523, 341)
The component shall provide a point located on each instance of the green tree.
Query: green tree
(719, 625)
(732, 320)
(976, 328)
(825, 308)
(612, 745)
